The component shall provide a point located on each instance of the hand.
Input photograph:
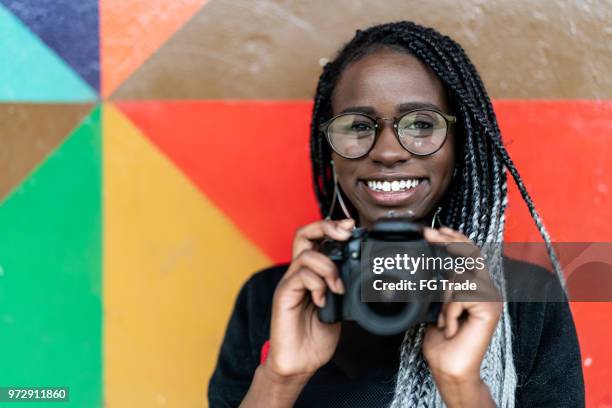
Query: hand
(299, 342)
(455, 347)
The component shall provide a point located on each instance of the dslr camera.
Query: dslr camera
(393, 311)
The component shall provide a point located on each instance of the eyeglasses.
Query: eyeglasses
(421, 132)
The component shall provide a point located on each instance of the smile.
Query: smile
(392, 186)
(393, 192)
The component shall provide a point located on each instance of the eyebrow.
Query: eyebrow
(402, 107)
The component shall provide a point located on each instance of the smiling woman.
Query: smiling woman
(387, 83)
(402, 126)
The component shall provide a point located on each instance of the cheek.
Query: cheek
(442, 168)
(345, 170)
(449, 155)
(347, 179)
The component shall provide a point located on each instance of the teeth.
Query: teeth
(395, 185)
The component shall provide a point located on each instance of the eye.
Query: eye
(420, 125)
(361, 127)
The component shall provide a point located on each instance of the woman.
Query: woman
(402, 126)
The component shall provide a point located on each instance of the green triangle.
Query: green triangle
(31, 71)
(50, 272)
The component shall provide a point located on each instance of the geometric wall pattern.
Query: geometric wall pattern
(155, 154)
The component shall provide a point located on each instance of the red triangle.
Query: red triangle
(251, 158)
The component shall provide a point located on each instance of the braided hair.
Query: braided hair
(474, 203)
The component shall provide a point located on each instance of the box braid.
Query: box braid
(474, 203)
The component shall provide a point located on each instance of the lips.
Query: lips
(395, 191)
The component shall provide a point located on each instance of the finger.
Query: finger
(453, 233)
(441, 320)
(484, 314)
(446, 234)
(315, 285)
(460, 244)
(334, 229)
(304, 236)
(487, 291)
(480, 275)
(432, 234)
(453, 311)
(454, 242)
(435, 236)
(441, 316)
(446, 299)
(465, 249)
(304, 280)
(321, 265)
(347, 223)
(447, 295)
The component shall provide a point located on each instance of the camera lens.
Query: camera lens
(387, 317)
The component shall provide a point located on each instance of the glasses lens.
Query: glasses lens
(351, 135)
(422, 132)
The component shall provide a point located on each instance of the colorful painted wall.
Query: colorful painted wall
(141, 142)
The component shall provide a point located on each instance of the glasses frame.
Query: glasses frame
(450, 120)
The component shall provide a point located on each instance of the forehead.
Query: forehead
(385, 79)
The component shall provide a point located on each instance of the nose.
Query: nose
(387, 150)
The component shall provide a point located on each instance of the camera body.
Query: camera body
(384, 317)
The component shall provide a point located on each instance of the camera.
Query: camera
(392, 312)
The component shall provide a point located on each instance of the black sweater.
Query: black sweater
(362, 371)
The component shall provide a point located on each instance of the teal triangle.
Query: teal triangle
(31, 71)
(50, 272)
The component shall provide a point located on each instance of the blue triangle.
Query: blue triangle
(69, 27)
(31, 71)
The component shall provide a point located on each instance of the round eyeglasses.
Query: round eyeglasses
(421, 132)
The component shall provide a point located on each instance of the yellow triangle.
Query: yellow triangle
(173, 265)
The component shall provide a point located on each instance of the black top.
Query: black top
(362, 373)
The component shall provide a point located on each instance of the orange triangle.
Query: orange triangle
(130, 31)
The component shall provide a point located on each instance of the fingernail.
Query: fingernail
(347, 223)
(339, 286)
(322, 302)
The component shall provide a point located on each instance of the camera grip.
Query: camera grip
(330, 313)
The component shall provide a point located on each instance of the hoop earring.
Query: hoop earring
(439, 209)
(436, 216)
(336, 196)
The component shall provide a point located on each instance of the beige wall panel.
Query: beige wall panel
(271, 49)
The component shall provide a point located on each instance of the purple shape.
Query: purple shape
(69, 27)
